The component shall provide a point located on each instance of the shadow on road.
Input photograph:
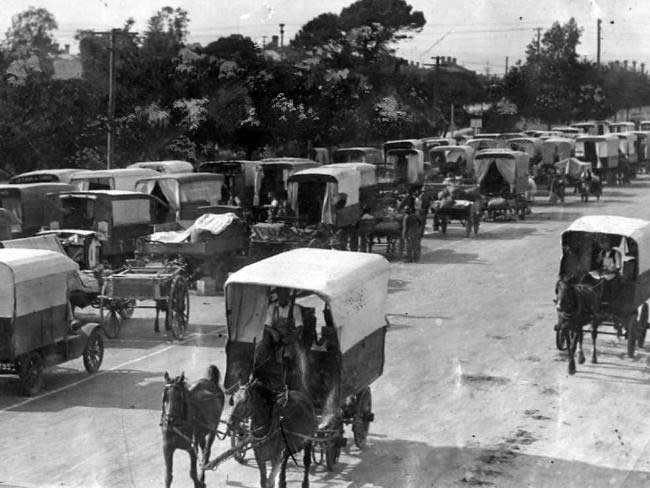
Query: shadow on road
(129, 389)
(388, 463)
(506, 233)
(449, 256)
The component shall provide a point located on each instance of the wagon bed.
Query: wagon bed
(166, 285)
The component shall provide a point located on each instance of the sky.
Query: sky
(479, 33)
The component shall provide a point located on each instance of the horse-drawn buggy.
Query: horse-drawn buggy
(580, 175)
(604, 280)
(298, 381)
(502, 177)
(38, 329)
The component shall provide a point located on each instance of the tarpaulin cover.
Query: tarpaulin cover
(213, 224)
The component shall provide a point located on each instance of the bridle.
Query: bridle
(169, 417)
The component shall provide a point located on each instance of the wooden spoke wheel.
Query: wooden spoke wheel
(93, 352)
(30, 372)
(108, 315)
(178, 307)
(642, 325)
(362, 417)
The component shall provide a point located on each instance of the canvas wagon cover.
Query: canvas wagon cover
(635, 229)
(513, 166)
(573, 167)
(32, 280)
(354, 284)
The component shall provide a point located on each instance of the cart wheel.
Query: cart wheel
(362, 417)
(178, 307)
(560, 340)
(108, 316)
(30, 371)
(332, 453)
(127, 309)
(94, 352)
(642, 325)
(631, 335)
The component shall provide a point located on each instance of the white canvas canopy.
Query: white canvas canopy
(116, 179)
(513, 166)
(32, 280)
(353, 284)
(573, 167)
(636, 229)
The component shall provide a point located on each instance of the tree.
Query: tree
(31, 33)
(319, 31)
(395, 16)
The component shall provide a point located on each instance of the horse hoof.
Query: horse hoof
(572, 370)
(581, 360)
(594, 361)
(156, 330)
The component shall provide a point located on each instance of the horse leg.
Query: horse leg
(306, 461)
(283, 471)
(571, 342)
(276, 465)
(594, 334)
(205, 443)
(155, 327)
(168, 453)
(581, 354)
(193, 473)
(261, 466)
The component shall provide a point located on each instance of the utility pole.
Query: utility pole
(281, 35)
(263, 42)
(598, 37)
(113, 33)
(111, 101)
(506, 65)
(539, 36)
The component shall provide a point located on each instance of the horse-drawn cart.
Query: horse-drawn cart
(210, 246)
(458, 200)
(166, 285)
(604, 280)
(37, 328)
(339, 355)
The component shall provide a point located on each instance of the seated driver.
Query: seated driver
(609, 261)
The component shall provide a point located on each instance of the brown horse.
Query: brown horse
(189, 421)
(577, 305)
(282, 425)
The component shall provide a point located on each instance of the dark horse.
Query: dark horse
(578, 305)
(189, 420)
(281, 425)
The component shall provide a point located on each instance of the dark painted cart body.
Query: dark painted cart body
(36, 324)
(350, 289)
(627, 305)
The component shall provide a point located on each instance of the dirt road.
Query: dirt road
(473, 393)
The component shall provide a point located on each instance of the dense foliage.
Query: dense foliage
(338, 82)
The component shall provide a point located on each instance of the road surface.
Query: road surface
(473, 393)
